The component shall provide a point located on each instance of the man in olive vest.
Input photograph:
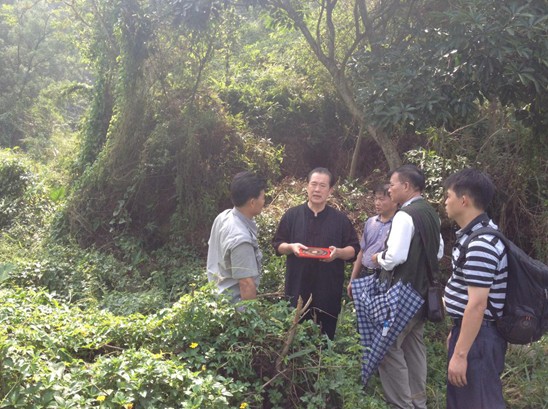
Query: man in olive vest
(403, 369)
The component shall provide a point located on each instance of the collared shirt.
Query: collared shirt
(485, 265)
(374, 236)
(399, 240)
(233, 252)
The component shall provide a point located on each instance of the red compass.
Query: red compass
(315, 252)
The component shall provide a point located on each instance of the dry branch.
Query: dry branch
(299, 312)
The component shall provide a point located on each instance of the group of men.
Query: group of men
(392, 248)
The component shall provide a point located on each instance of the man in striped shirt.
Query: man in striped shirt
(475, 292)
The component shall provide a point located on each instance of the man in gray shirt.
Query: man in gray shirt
(234, 257)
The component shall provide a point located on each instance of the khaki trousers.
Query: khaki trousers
(403, 369)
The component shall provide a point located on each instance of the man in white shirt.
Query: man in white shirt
(403, 369)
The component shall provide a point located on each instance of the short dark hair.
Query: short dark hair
(324, 171)
(381, 188)
(411, 174)
(474, 183)
(245, 186)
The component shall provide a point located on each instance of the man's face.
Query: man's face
(384, 205)
(452, 204)
(318, 189)
(258, 203)
(397, 189)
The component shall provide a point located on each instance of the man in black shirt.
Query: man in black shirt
(319, 225)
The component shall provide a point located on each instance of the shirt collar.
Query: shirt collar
(413, 199)
(482, 219)
(378, 219)
(311, 212)
(250, 223)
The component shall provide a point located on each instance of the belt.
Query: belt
(485, 323)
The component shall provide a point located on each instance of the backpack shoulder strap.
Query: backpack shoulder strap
(476, 233)
(464, 248)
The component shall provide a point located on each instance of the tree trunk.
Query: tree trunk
(387, 145)
(356, 154)
(336, 68)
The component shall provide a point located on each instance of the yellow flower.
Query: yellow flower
(101, 398)
(244, 405)
(128, 406)
(203, 367)
(194, 345)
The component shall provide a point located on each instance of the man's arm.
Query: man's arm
(345, 253)
(470, 326)
(357, 265)
(398, 243)
(355, 272)
(245, 269)
(248, 290)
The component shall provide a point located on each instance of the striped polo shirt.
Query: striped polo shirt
(484, 265)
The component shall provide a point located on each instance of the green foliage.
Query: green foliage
(57, 373)
(201, 353)
(439, 63)
(70, 347)
(71, 274)
(35, 52)
(155, 134)
(278, 90)
(185, 94)
(350, 193)
(436, 169)
(499, 46)
(96, 278)
(525, 374)
(26, 204)
(14, 180)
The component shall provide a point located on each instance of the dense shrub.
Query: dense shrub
(15, 176)
(30, 193)
(201, 353)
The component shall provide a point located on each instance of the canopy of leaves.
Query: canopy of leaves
(36, 50)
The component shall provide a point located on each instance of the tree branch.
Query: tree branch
(299, 312)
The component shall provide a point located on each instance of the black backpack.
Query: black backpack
(525, 313)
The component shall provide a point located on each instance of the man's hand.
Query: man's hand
(349, 289)
(294, 248)
(333, 254)
(291, 248)
(456, 373)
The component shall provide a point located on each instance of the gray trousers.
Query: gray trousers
(403, 369)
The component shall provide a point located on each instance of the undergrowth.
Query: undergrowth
(83, 328)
